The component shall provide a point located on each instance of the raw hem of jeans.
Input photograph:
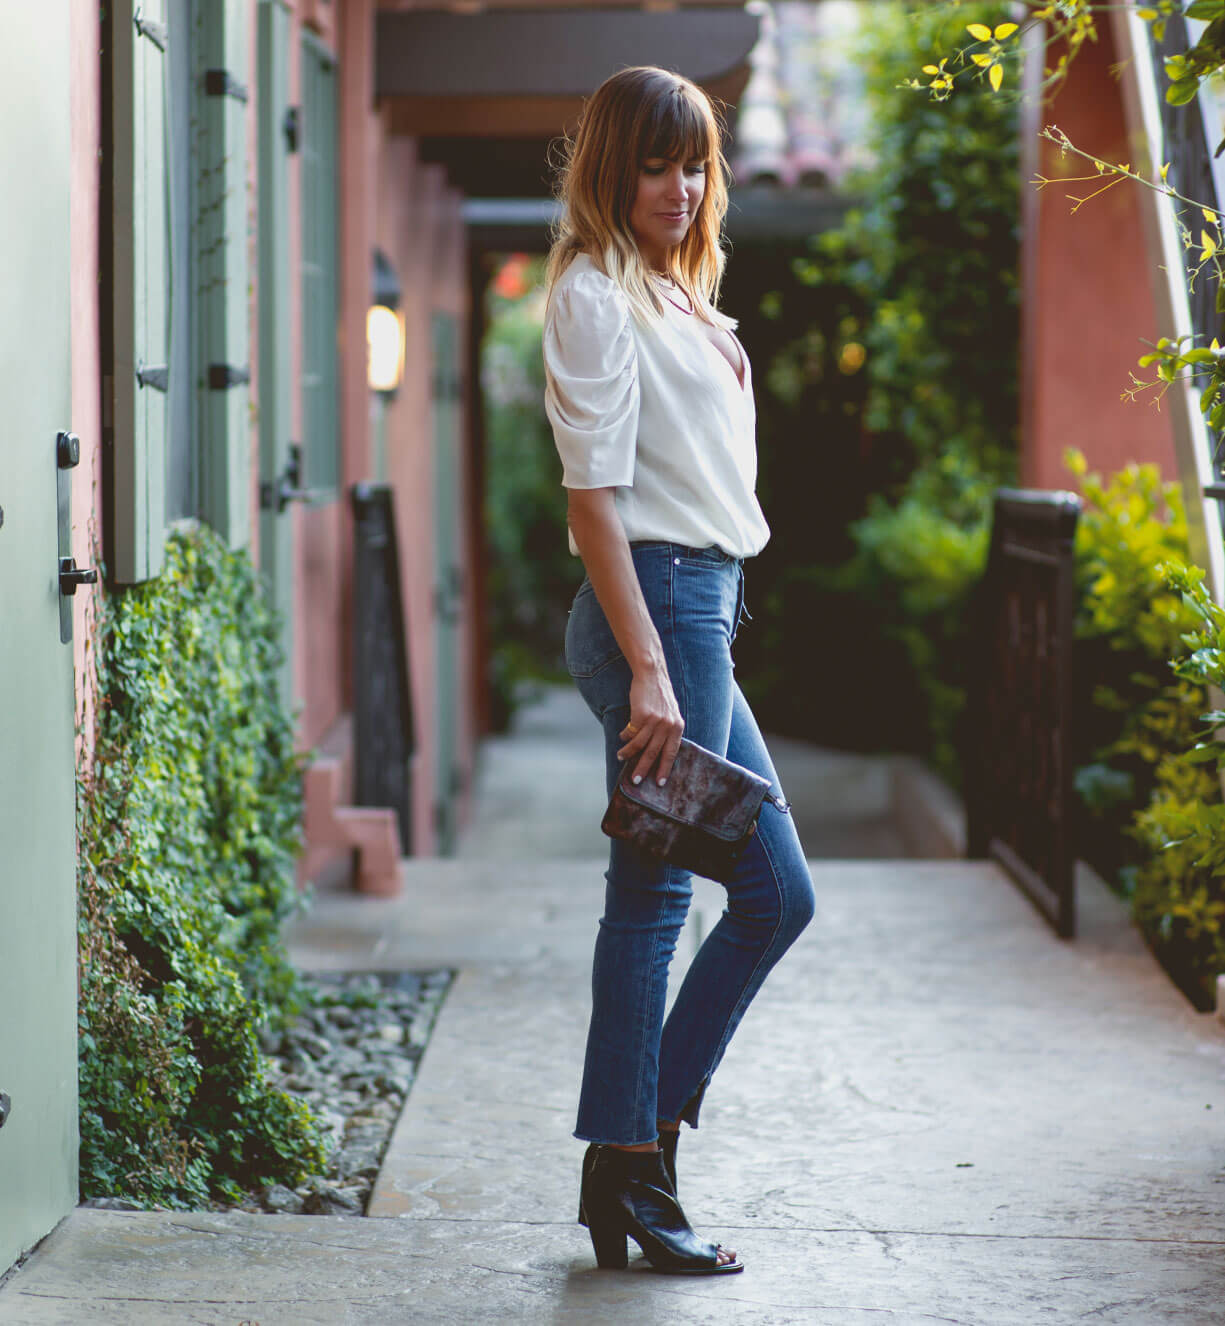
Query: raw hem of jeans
(603, 1141)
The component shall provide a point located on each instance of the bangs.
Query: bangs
(676, 129)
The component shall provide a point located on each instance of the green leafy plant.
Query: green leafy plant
(1129, 711)
(930, 261)
(1179, 887)
(188, 829)
(531, 575)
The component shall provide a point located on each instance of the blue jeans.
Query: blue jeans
(638, 1067)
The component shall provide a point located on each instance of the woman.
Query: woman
(650, 398)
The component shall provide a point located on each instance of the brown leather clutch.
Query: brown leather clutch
(701, 819)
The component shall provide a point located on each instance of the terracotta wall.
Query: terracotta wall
(1087, 297)
(84, 93)
(421, 232)
(389, 200)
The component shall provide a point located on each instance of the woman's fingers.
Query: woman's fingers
(652, 743)
(646, 761)
(668, 757)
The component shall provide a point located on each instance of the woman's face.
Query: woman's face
(669, 195)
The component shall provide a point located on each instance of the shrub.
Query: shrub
(531, 575)
(1130, 712)
(928, 262)
(1179, 889)
(188, 830)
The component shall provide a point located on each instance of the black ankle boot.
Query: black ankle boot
(668, 1138)
(627, 1194)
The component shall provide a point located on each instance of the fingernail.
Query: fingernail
(637, 779)
(662, 781)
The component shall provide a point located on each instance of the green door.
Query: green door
(277, 473)
(448, 583)
(38, 1059)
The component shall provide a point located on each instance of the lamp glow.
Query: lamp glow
(385, 346)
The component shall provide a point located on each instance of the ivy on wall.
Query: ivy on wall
(188, 829)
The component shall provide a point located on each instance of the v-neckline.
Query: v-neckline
(739, 375)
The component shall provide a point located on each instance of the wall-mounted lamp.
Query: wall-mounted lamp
(385, 330)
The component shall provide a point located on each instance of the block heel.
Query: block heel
(611, 1245)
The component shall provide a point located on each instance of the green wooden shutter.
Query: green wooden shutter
(275, 378)
(320, 397)
(141, 360)
(222, 301)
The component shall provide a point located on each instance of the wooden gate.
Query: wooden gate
(1018, 767)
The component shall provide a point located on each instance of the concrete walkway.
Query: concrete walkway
(934, 1112)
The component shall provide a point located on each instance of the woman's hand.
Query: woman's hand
(654, 730)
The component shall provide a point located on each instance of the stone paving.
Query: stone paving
(934, 1112)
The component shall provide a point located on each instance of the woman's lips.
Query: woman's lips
(675, 216)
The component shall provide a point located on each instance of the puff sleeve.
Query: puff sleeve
(591, 382)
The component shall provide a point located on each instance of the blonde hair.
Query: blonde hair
(635, 115)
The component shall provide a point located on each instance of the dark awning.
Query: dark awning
(551, 52)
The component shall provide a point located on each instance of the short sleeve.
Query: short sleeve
(591, 382)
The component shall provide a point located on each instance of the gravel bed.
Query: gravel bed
(352, 1056)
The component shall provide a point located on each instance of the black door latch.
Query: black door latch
(6, 1107)
(72, 575)
(276, 494)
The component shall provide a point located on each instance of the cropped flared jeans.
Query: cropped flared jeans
(638, 1067)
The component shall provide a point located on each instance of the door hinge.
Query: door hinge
(222, 83)
(157, 376)
(156, 32)
(292, 127)
(221, 377)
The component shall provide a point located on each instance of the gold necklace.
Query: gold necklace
(672, 285)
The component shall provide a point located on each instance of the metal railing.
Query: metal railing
(1019, 791)
(383, 730)
(1191, 172)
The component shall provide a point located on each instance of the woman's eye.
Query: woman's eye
(659, 168)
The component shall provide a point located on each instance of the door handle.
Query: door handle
(276, 494)
(72, 575)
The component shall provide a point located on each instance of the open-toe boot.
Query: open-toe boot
(628, 1195)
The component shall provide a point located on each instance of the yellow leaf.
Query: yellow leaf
(996, 77)
(1005, 30)
(1165, 170)
(1209, 216)
(1209, 245)
(930, 69)
(980, 59)
(1147, 14)
(1215, 346)
(979, 30)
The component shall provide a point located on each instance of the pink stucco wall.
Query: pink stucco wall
(1087, 297)
(84, 91)
(387, 199)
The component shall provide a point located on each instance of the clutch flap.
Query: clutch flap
(705, 790)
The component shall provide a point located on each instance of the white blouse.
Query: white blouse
(656, 412)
